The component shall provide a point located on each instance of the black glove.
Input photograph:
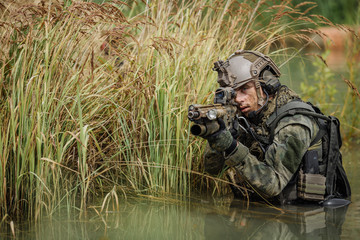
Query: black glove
(235, 129)
(222, 140)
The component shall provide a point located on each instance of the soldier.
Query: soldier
(285, 150)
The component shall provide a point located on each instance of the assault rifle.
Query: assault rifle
(205, 116)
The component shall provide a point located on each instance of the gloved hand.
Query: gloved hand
(222, 140)
(235, 130)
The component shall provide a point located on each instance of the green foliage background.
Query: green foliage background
(342, 12)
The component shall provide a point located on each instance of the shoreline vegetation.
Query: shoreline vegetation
(94, 97)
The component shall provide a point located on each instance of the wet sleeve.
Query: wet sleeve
(282, 159)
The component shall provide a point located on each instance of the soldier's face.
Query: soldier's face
(247, 99)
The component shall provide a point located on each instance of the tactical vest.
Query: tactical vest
(316, 179)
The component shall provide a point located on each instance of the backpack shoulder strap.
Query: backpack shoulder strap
(287, 109)
(292, 108)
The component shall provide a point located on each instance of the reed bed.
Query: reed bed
(94, 97)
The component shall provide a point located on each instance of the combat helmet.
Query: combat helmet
(244, 66)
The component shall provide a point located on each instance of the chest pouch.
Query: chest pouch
(311, 185)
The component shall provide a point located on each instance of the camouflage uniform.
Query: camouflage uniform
(269, 173)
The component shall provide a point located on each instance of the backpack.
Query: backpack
(336, 183)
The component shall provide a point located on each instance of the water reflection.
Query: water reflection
(135, 219)
(204, 219)
(201, 220)
(263, 222)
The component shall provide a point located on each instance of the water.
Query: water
(202, 218)
(351, 227)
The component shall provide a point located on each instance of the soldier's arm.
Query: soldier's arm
(282, 158)
(213, 161)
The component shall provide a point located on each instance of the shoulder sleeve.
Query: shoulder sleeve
(291, 140)
(298, 119)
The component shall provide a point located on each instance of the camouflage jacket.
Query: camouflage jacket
(271, 172)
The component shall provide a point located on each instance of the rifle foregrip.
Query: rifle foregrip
(204, 130)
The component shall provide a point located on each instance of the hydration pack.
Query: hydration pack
(314, 181)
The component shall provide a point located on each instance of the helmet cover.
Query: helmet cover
(242, 67)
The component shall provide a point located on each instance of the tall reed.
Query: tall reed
(94, 97)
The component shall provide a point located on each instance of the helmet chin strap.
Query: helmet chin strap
(253, 114)
(258, 93)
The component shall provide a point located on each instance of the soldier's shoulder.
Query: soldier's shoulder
(300, 120)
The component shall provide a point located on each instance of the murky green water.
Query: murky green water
(204, 219)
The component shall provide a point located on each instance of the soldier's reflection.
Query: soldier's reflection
(258, 221)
